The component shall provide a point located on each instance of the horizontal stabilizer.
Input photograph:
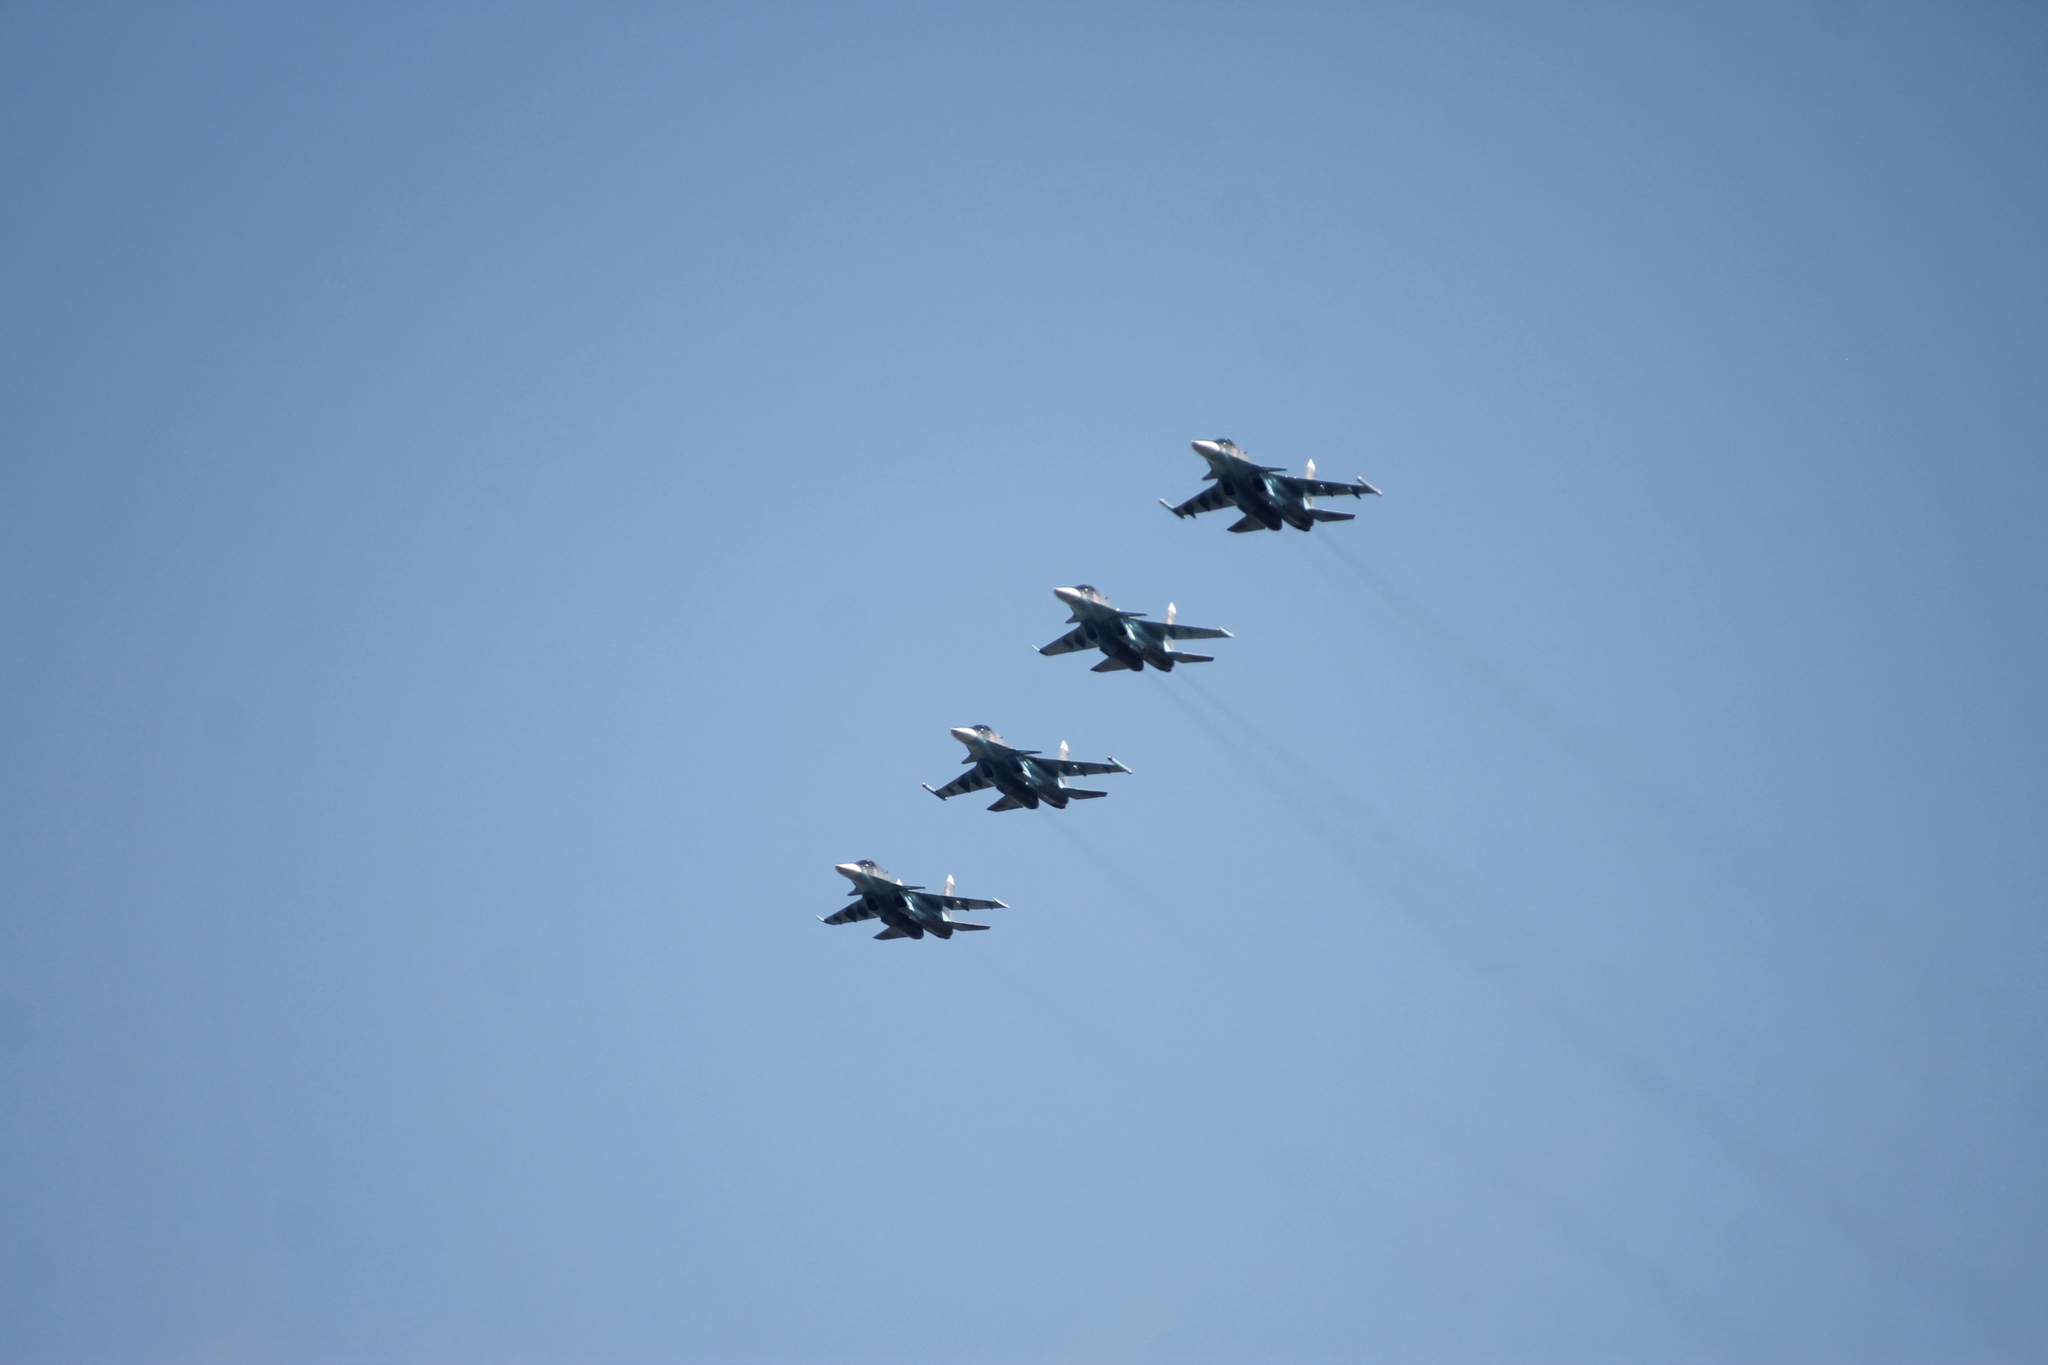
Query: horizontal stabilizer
(1077, 794)
(1247, 524)
(963, 924)
(1181, 658)
(1109, 665)
(892, 932)
(1008, 803)
(1320, 515)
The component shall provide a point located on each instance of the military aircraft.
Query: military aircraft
(1021, 775)
(1129, 641)
(909, 911)
(1266, 495)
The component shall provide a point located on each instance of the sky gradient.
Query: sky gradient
(498, 500)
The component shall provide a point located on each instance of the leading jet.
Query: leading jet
(1266, 494)
(909, 911)
(1023, 776)
(1126, 637)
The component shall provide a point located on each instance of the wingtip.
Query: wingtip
(930, 788)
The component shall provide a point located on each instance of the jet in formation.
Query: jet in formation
(909, 911)
(1267, 495)
(1023, 776)
(1126, 637)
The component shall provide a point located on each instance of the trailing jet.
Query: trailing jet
(1021, 775)
(1129, 640)
(909, 911)
(1266, 495)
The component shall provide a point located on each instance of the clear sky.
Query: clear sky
(496, 501)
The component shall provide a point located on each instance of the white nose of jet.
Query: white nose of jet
(1207, 448)
(1071, 596)
(964, 735)
(847, 870)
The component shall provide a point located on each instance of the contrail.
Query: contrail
(1725, 846)
(1109, 866)
(1283, 774)
(1743, 1152)
(1309, 1189)
(1236, 728)
(1455, 647)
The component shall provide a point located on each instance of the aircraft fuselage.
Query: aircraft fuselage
(1253, 489)
(1130, 640)
(1016, 776)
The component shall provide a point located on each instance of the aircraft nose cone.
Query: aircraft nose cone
(964, 735)
(847, 870)
(1067, 594)
(1206, 448)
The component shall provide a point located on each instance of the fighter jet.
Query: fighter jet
(1129, 641)
(1024, 778)
(909, 911)
(1265, 494)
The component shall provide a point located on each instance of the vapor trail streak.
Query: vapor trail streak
(1309, 1189)
(1773, 1172)
(1726, 847)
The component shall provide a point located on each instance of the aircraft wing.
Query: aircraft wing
(1066, 767)
(1071, 641)
(857, 911)
(969, 781)
(1323, 488)
(959, 902)
(1212, 499)
(1192, 632)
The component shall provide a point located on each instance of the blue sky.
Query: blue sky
(499, 500)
